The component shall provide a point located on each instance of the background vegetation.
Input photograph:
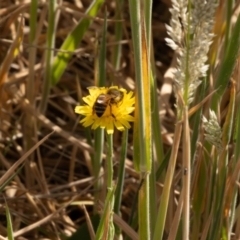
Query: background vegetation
(176, 172)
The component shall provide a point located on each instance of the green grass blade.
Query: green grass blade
(32, 53)
(197, 117)
(109, 227)
(156, 123)
(100, 81)
(237, 131)
(152, 199)
(9, 224)
(139, 108)
(148, 22)
(162, 211)
(227, 127)
(163, 165)
(49, 54)
(143, 113)
(118, 36)
(72, 41)
(228, 21)
(121, 175)
(105, 215)
(228, 63)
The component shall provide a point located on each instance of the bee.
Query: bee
(113, 96)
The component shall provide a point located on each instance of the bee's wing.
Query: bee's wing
(108, 97)
(99, 89)
(92, 87)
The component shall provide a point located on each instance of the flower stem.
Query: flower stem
(120, 181)
(106, 228)
(121, 173)
(110, 186)
(109, 161)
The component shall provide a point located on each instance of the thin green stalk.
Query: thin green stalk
(102, 230)
(186, 175)
(212, 197)
(106, 227)
(237, 131)
(228, 125)
(143, 208)
(197, 119)
(110, 161)
(148, 22)
(236, 161)
(32, 52)
(163, 166)
(117, 52)
(229, 9)
(162, 211)
(100, 80)
(110, 226)
(158, 147)
(187, 48)
(153, 199)
(29, 128)
(121, 175)
(110, 186)
(182, 108)
(232, 200)
(98, 147)
(227, 64)
(156, 123)
(133, 216)
(199, 189)
(49, 55)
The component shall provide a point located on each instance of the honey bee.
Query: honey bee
(113, 96)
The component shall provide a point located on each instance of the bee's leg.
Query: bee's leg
(111, 111)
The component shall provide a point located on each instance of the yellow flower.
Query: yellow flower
(113, 108)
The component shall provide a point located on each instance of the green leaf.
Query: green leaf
(72, 41)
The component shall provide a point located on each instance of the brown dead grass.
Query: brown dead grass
(59, 170)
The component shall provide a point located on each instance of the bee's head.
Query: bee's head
(116, 95)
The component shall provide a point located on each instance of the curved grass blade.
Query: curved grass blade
(72, 41)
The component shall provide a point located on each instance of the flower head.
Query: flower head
(106, 108)
(213, 130)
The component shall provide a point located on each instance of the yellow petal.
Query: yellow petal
(119, 126)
